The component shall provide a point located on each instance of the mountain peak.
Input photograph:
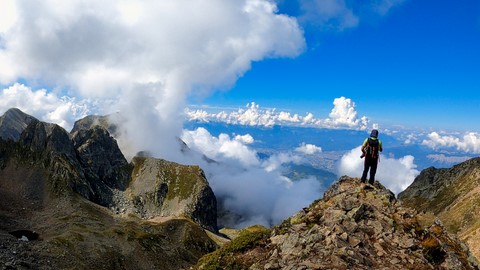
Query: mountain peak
(13, 122)
(355, 226)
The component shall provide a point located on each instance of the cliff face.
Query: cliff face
(352, 227)
(58, 190)
(163, 188)
(452, 195)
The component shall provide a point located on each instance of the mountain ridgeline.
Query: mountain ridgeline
(451, 194)
(90, 207)
(73, 201)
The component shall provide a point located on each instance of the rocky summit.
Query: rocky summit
(451, 194)
(355, 226)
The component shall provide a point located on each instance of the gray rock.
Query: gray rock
(375, 234)
(13, 123)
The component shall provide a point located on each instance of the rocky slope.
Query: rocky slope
(353, 227)
(78, 203)
(452, 195)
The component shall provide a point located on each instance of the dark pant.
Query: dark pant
(370, 163)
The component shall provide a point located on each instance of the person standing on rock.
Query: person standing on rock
(370, 150)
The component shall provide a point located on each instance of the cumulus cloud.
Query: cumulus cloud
(221, 147)
(44, 105)
(395, 174)
(469, 142)
(308, 149)
(254, 191)
(142, 58)
(342, 116)
(246, 139)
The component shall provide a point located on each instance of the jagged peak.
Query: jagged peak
(104, 121)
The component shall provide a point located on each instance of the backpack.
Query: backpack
(372, 148)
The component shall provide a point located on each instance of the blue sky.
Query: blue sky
(416, 66)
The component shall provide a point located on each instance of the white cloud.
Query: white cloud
(308, 149)
(342, 116)
(142, 58)
(254, 190)
(441, 158)
(44, 106)
(8, 15)
(246, 139)
(276, 161)
(221, 147)
(410, 139)
(395, 174)
(469, 143)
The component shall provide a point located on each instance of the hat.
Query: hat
(374, 133)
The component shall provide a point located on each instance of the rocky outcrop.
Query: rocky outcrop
(163, 188)
(147, 187)
(90, 121)
(353, 227)
(452, 195)
(104, 165)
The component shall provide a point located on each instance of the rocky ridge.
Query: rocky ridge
(353, 227)
(63, 187)
(451, 194)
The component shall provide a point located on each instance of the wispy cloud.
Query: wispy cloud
(448, 160)
(338, 15)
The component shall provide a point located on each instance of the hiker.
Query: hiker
(370, 150)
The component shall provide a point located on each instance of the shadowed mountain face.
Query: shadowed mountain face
(91, 209)
(452, 194)
(352, 227)
(13, 123)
